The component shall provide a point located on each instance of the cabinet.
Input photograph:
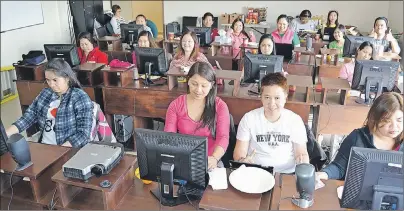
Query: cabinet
(84, 13)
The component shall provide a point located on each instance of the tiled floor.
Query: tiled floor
(10, 112)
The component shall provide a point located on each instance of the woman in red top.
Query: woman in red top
(88, 52)
(207, 21)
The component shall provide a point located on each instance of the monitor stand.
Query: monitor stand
(381, 191)
(147, 80)
(167, 186)
(371, 81)
(257, 89)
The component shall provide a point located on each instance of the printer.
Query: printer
(95, 158)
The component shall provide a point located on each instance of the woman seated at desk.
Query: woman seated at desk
(327, 31)
(207, 21)
(188, 52)
(238, 35)
(145, 40)
(283, 34)
(141, 20)
(364, 52)
(303, 22)
(339, 40)
(63, 111)
(383, 130)
(87, 52)
(266, 136)
(201, 112)
(382, 32)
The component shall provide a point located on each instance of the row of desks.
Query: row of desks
(129, 193)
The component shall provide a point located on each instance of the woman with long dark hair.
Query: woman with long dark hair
(383, 129)
(63, 111)
(201, 112)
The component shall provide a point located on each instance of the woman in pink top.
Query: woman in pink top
(364, 52)
(201, 113)
(188, 52)
(238, 34)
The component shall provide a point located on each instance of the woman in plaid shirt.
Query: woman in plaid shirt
(63, 111)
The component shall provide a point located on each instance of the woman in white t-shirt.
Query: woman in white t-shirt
(272, 135)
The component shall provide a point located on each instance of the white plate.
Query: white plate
(252, 180)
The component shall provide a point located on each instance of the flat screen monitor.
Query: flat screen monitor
(203, 34)
(374, 76)
(188, 21)
(256, 66)
(68, 52)
(172, 158)
(130, 32)
(285, 50)
(374, 180)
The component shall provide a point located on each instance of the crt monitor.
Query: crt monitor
(3, 139)
(374, 180)
(129, 33)
(68, 52)
(203, 34)
(374, 76)
(151, 61)
(256, 66)
(171, 158)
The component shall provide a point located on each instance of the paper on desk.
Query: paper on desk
(319, 184)
(340, 189)
(218, 178)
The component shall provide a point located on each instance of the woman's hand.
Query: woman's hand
(373, 34)
(389, 36)
(212, 162)
(321, 175)
(251, 34)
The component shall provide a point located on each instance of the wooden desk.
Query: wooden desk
(39, 173)
(215, 46)
(301, 81)
(116, 43)
(30, 72)
(76, 194)
(335, 84)
(233, 199)
(325, 198)
(303, 66)
(89, 74)
(117, 76)
(316, 44)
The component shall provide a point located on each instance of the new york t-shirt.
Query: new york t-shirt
(48, 136)
(273, 141)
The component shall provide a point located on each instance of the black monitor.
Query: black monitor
(352, 43)
(256, 66)
(188, 21)
(129, 33)
(374, 76)
(68, 52)
(374, 180)
(203, 34)
(171, 158)
(151, 61)
(3, 139)
(285, 50)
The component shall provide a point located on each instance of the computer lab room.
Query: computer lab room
(201, 105)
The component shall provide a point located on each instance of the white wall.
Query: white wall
(54, 30)
(396, 16)
(358, 13)
(106, 5)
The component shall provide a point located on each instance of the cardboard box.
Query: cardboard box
(233, 17)
(224, 19)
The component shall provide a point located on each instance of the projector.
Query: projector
(95, 158)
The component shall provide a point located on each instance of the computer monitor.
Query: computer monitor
(374, 76)
(68, 52)
(171, 158)
(129, 33)
(203, 34)
(374, 178)
(285, 50)
(188, 21)
(3, 139)
(256, 66)
(151, 61)
(352, 43)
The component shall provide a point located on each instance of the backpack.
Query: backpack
(32, 58)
